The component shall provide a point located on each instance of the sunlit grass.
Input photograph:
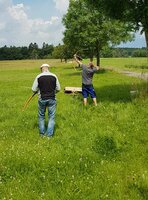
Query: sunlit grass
(131, 64)
(96, 152)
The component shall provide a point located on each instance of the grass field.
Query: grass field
(96, 152)
(130, 64)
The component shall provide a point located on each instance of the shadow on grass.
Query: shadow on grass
(140, 188)
(114, 93)
(68, 68)
(106, 147)
(75, 73)
(121, 92)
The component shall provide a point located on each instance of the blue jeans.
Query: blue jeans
(42, 105)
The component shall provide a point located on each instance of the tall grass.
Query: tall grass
(96, 152)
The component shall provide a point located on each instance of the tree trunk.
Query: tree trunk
(146, 38)
(98, 53)
(91, 55)
(145, 23)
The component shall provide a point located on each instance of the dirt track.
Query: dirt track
(143, 76)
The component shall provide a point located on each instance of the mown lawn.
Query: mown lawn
(96, 152)
(129, 64)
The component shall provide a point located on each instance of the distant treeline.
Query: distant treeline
(30, 52)
(124, 52)
(49, 51)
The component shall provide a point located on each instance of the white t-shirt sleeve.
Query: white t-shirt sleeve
(35, 85)
(58, 87)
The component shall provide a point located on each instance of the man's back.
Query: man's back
(46, 83)
(87, 74)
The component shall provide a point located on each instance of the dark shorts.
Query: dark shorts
(88, 90)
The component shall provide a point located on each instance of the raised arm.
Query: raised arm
(94, 67)
(77, 60)
(97, 67)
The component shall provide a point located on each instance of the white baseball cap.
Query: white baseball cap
(44, 65)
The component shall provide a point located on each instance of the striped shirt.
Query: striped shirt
(46, 84)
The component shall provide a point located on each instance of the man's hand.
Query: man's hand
(97, 67)
(77, 59)
(75, 56)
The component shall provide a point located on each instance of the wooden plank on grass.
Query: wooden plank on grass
(73, 90)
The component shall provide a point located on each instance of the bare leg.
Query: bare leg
(95, 101)
(85, 101)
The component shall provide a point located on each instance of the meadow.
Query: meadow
(130, 64)
(96, 152)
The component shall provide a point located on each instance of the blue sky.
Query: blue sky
(26, 21)
(39, 8)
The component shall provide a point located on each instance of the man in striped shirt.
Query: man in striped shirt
(46, 84)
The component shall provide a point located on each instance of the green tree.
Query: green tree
(106, 52)
(133, 11)
(87, 28)
(58, 52)
(46, 50)
(24, 52)
(62, 52)
(10, 53)
(139, 53)
(33, 50)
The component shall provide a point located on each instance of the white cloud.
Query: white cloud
(17, 12)
(4, 4)
(62, 5)
(2, 25)
(17, 28)
(3, 40)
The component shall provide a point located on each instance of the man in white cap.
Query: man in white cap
(46, 84)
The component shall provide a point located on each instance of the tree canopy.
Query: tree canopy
(88, 28)
(133, 11)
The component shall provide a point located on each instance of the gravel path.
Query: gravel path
(143, 76)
